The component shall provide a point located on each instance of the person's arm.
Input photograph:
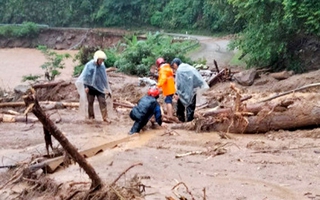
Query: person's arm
(162, 78)
(157, 114)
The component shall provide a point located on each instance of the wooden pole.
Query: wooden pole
(59, 136)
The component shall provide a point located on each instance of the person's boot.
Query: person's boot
(104, 114)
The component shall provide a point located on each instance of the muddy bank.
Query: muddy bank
(67, 38)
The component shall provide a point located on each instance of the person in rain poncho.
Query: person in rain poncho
(188, 83)
(93, 82)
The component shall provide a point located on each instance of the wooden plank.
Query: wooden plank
(51, 165)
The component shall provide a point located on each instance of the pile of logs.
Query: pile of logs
(292, 111)
(213, 77)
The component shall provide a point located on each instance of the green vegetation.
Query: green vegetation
(54, 64)
(276, 31)
(52, 67)
(85, 54)
(137, 56)
(26, 30)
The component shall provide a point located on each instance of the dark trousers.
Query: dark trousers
(102, 104)
(138, 123)
(190, 110)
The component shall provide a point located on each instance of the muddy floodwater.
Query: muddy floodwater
(18, 62)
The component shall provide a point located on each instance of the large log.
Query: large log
(14, 118)
(30, 100)
(50, 84)
(56, 104)
(300, 111)
(215, 78)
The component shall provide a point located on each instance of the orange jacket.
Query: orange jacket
(166, 80)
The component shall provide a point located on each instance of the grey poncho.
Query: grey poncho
(94, 76)
(188, 82)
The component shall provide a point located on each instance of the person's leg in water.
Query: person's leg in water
(190, 109)
(168, 101)
(103, 107)
(180, 111)
(90, 98)
(137, 126)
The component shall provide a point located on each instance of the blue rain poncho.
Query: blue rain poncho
(94, 76)
(189, 82)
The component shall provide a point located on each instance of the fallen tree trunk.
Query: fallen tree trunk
(215, 78)
(59, 136)
(50, 84)
(293, 118)
(14, 118)
(298, 111)
(291, 91)
(55, 103)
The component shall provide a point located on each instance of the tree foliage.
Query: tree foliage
(273, 30)
(139, 55)
(214, 15)
(135, 56)
(55, 62)
(273, 33)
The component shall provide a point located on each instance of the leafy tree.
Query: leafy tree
(273, 29)
(54, 64)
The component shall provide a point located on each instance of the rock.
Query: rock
(246, 78)
(59, 39)
(60, 47)
(70, 37)
(21, 89)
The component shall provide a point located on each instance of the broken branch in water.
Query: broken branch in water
(114, 182)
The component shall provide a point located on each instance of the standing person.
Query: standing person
(93, 82)
(166, 83)
(188, 82)
(146, 108)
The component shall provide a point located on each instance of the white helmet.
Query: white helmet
(99, 55)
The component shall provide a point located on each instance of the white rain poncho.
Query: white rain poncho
(189, 82)
(94, 76)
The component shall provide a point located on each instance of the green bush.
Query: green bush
(54, 64)
(27, 29)
(139, 56)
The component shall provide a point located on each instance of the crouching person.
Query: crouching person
(146, 108)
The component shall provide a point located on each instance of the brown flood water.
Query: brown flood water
(18, 62)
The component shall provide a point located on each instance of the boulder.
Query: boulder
(21, 89)
(246, 78)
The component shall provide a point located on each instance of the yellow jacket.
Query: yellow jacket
(166, 80)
